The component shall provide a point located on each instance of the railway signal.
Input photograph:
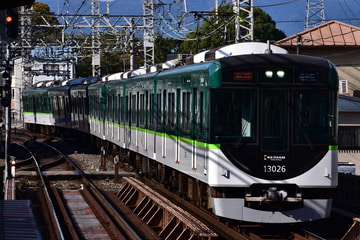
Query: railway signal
(9, 24)
(5, 96)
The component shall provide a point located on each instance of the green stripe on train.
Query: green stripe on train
(161, 134)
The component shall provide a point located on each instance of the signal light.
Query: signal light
(9, 24)
(8, 19)
(5, 74)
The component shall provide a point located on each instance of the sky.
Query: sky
(289, 15)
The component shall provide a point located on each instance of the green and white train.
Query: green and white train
(250, 135)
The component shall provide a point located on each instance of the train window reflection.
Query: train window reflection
(274, 119)
(312, 121)
(235, 115)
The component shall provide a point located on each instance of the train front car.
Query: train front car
(274, 118)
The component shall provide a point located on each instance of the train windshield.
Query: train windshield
(313, 122)
(235, 115)
(274, 119)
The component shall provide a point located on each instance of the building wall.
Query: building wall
(349, 119)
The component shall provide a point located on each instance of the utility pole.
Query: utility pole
(149, 33)
(9, 28)
(95, 36)
(6, 102)
(315, 13)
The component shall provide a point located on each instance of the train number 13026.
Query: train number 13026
(274, 168)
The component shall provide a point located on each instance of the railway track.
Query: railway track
(140, 210)
(72, 208)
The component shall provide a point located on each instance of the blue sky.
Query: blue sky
(289, 15)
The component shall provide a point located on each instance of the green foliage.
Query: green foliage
(164, 46)
(219, 31)
(46, 34)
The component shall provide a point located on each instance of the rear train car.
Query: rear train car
(36, 107)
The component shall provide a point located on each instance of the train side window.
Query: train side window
(46, 105)
(201, 113)
(133, 108)
(122, 115)
(171, 110)
(158, 110)
(151, 110)
(186, 111)
(61, 106)
(97, 107)
(80, 105)
(90, 106)
(109, 108)
(56, 107)
(75, 105)
(141, 110)
(50, 105)
(116, 109)
(52, 102)
(164, 108)
(86, 108)
(37, 104)
(126, 109)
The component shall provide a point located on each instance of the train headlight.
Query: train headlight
(280, 74)
(269, 74)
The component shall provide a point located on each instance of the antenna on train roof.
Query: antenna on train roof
(268, 50)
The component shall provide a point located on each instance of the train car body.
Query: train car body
(37, 107)
(61, 106)
(97, 106)
(259, 130)
(79, 108)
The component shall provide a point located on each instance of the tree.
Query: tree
(43, 16)
(164, 46)
(219, 30)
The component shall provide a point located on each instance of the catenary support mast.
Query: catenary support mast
(315, 13)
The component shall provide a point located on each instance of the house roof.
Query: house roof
(349, 104)
(331, 33)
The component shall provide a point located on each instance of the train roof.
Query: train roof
(33, 91)
(236, 49)
(275, 60)
(82, 80)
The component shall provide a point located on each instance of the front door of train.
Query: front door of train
(274, 139)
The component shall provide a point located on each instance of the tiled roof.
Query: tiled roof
(332, 33)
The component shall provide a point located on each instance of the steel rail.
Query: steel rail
(123, 222)
(48, 198)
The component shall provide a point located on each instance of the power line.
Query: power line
(278, 4)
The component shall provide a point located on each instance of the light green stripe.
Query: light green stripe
(38, 113)
(333, 147)
(161, 134)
